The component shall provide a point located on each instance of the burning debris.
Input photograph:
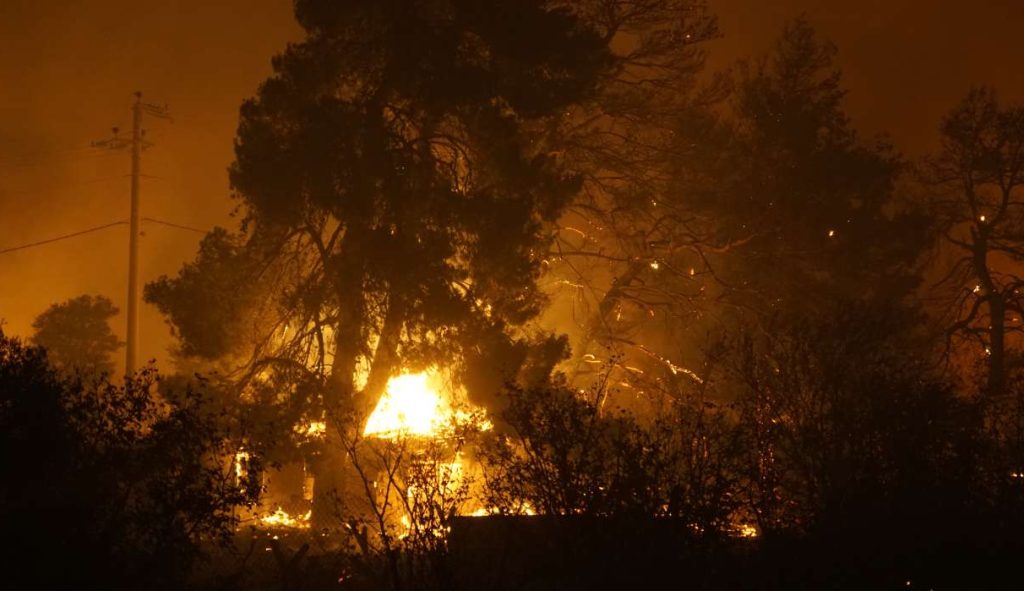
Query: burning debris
(281, 519)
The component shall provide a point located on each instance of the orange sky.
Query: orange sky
(68, 68)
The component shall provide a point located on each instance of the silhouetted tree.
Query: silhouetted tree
(978, 179)
(395, 196)
(817, 203)
(76, 335)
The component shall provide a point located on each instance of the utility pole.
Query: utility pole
(137, 144)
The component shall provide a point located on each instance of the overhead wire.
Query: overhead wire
(28, 163)
(63, 237)
(173, 225)
(97, 229)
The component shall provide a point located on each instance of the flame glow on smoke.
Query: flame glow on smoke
(410, 406)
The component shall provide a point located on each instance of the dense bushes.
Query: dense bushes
(107, 485)
(857, 463)
(854, 462)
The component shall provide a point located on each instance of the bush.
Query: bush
(108, 485)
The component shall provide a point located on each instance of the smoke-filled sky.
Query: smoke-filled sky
(68, 69)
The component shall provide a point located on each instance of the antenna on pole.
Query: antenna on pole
(137, 144)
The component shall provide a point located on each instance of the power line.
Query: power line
(64, 237)
(173, 225)
(97, 229)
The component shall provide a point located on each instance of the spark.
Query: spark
(577, 230)
(675, 369)
(570, 283)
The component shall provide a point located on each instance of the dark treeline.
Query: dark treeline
(708, 336)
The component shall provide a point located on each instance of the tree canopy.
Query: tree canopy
(76, 335)
(393, 202)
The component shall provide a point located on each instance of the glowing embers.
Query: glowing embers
(524, 509)
(281, 518)
(411, 405)
(746, 530)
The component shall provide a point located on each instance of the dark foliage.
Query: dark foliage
(105, 485)
(975, 182)
(814, 208)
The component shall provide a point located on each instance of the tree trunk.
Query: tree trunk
(384, 359)
(328, 468)
(997, 348)
(996, 316)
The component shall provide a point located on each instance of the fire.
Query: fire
(410, 406)
(281, 518)
(747, 530)
(418, 405)
(312, 429)
(524, 509)
(241, 466)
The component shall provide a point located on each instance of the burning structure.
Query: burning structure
(410, 455)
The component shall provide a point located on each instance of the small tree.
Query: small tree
(76, 335)
(403, 492)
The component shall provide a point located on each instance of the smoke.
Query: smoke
(68, 70)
